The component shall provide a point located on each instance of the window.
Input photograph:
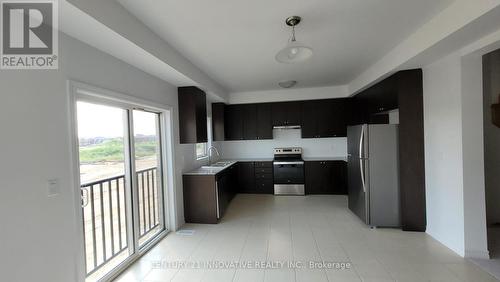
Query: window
(201, 150)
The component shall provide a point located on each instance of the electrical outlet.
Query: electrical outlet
(53, 187)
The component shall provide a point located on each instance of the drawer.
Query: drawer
(263, 164)
(264, 176)
(264, 186)
(263, 170)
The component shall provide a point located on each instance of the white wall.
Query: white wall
(453, 116)
(475, 232)
(293, 94)
(37, 238)
(443, 152)
(313, 148)
(492, 137)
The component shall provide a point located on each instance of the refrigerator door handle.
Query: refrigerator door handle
(362, 171)
(362, 156)
(361, 141)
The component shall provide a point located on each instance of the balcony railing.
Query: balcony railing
(105, 216)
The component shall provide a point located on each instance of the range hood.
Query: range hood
(283, 127)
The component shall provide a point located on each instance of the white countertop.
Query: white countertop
(253, 160)
(326, 159)
(206, 170)
(210, 170)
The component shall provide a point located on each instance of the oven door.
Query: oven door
(288, 172)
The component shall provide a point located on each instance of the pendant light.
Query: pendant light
(295, 51)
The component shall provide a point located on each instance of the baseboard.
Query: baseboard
(473, 254)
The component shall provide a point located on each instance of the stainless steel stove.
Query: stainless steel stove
(288, 171)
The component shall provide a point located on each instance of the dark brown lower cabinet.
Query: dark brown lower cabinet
(326, 177)
(264, 183)
(206, 197)
(256, 177)
(246, 177)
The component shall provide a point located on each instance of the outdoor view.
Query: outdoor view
(101, 138)
(104, 176)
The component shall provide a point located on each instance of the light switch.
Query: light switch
(53, 187)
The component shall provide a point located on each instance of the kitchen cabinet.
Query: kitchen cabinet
(248, 122)
(286, 113)
(226, 186)
(411, 150)
(403, 91)
(218, 118)
(246, 177)
(318, 119)
(495, 114)
(256, 177)
(249, 116)
(206, 197)
(380, 98)
(309, 119)
(234, 122)
(264, 121)
(325, 118)
(340, 118)
(192, 115)
(264, 183)
(326, 177)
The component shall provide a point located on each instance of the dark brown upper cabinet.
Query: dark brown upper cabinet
(325, 118)
(234, 122)
(286, 113)
(264, 121)
(249, 117)
(218, 117)
(248, 122)
(318, 119)
(380, 98)
(192, 115)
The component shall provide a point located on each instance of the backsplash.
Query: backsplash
(312, 148)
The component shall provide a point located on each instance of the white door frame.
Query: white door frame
(78, 91)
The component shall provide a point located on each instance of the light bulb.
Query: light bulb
(294, 52)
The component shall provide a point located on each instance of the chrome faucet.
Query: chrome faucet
(210, 155)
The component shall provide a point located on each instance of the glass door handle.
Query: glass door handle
(85, 197)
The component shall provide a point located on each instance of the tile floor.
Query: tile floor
(313, 228)
(492, 265)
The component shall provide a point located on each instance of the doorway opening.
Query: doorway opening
(491, 100)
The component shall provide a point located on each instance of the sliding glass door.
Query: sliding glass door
(120, 153)
(147, 156)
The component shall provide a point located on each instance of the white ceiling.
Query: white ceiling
(235, 41)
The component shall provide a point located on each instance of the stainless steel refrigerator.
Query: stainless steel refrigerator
(373, 177)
